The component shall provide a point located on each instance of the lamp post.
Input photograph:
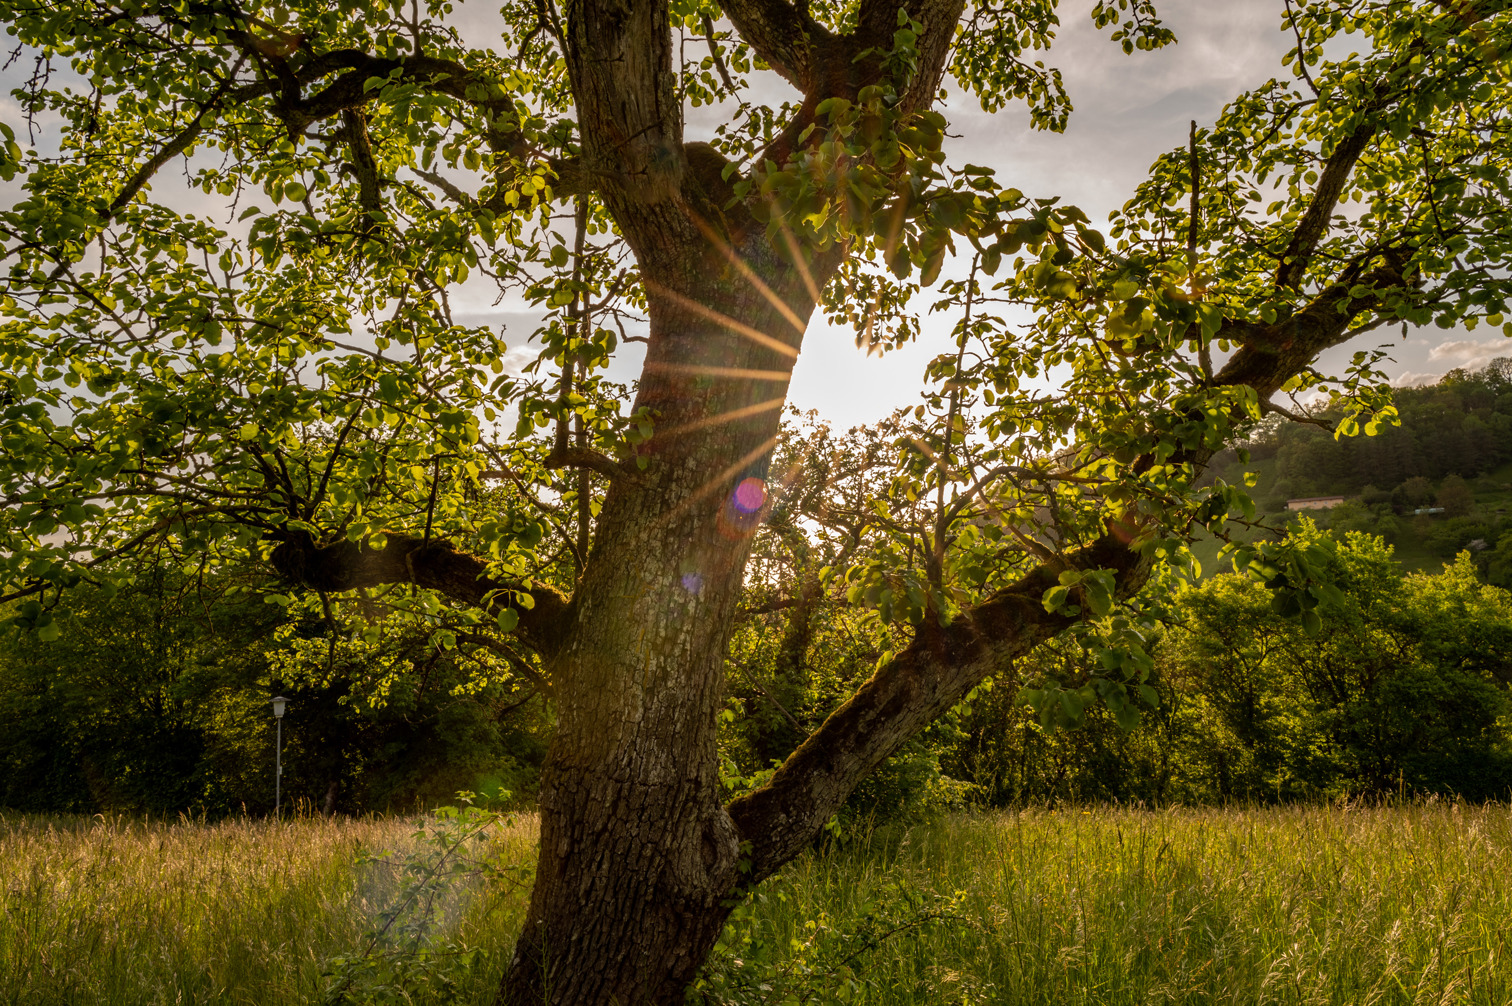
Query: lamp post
(278, 710)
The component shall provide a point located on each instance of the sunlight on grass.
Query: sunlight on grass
(1106, 907)
(97, 910)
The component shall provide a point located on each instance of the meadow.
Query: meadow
(1317, 905)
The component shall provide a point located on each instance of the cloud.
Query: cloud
(1470, 354)
(1469, 349)
(1129, 109)
(1465, 354)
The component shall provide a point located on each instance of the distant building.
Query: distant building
(1427, 509)
(1314, 503)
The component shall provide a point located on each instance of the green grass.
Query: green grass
(103, 911)
(1493, 501)
(1107, 906)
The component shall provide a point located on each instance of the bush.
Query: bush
(1455, 497)
(1450, 536)
(1416, 491)
(1402, 687)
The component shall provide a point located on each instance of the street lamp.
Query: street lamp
(278, 710)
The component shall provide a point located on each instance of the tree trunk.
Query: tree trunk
(638, 858)
(328, 808)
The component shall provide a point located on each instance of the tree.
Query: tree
(300, 389)
(139, 707)
(1455, 497)
(1402, 686)
(1417, 490)
(1499, 563)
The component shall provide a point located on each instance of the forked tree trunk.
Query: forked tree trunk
(638, 858)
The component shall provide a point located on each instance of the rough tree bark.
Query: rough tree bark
(638, 858)
(639, 863)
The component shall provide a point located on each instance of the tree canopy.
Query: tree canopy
(294, 386)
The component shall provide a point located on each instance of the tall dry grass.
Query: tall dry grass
(1338, 906)
(122, 912)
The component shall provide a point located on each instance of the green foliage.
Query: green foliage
(1449, 434)
(1390, 692)
(300, 378)
(404, 716)
(1461, 426)
(1395, 684)
(1320, 670)
(151, 701)
(155, 700)
(112, 911)
(1455, 497)
(1499, 566)
(411, 956)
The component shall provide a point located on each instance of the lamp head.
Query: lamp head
(278, 706)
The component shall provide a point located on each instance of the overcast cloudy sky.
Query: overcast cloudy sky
(1129, 109)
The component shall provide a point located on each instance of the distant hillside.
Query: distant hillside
(1452, 451)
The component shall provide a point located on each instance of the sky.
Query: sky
(1128, 110)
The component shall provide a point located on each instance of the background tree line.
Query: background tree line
(1459, 426)
(155, 699)
(1438, 482)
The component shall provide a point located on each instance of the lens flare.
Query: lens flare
(749, 496)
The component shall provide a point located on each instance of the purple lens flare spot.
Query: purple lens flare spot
(749, 496)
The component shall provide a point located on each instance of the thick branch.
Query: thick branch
(349, 91)
(1314, 223)
(783, 35)
(767, 607)
(564, 456)
(942, 664)
(173, 148)
(918, 685)
(355, 131)
(840, 66)
(878, 19)
(1270, 355)
(433, 565)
